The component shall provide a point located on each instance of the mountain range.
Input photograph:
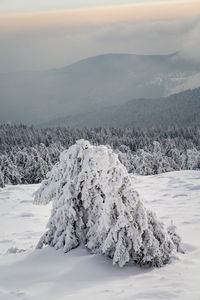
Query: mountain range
(181, 109)
(97, 84)
(96, 90)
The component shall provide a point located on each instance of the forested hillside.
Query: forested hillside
(182, 109)
(28, 153)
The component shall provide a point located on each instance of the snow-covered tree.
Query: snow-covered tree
(11, 174)
(95, 205)
(27, 153)
(143, 162)
(192, 159)
(126, 157)
(1, 179)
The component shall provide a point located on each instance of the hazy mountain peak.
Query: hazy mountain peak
(95, 82)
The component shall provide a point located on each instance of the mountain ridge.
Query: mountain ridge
(181, 109)
(95, 82)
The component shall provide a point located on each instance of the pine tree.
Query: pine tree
(95, 205)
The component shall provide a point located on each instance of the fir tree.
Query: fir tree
(95, 205)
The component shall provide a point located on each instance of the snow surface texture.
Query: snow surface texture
(49, 274)
(21, 222)
(95, 205)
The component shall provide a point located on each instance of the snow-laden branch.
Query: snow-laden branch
(95, 205)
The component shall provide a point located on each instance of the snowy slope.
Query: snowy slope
(184, 83)
(21, 222)
(50, 274)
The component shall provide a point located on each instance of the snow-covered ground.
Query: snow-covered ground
(50, 274)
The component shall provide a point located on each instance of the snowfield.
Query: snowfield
(26, 273)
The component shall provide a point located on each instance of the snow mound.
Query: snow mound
(95, 205)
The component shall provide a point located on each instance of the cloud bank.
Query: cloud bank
(53, 39)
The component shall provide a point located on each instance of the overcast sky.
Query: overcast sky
(44, 34)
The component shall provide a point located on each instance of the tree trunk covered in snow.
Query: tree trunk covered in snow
(95, 205)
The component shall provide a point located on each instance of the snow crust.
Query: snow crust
(49, 274)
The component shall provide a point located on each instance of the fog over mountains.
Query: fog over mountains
(182, 109)
(93, 90)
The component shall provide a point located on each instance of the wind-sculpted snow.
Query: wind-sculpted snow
(49, 274)
(95, 205)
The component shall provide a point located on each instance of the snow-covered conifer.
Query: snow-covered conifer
(193, 159)
(143, 162)
(11, 174)
(1, 179)
(95, 205)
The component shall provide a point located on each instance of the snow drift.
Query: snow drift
(95, 205)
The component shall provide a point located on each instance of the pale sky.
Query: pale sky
(45, 34)
(21, 6)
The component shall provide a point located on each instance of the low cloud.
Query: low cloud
(191, 43)
(55, 42)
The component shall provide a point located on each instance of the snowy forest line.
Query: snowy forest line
(28, 153)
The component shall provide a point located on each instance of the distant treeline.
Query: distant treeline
(28, 153)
